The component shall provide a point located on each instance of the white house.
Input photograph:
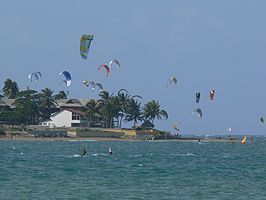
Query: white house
(67, 118)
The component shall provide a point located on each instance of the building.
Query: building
(6, 104)
(67, 118)
(68, 112)
(71, 104)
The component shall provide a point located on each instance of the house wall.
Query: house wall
(62, 119)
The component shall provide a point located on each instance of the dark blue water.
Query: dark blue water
(136, 170)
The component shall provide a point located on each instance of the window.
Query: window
(75, 116)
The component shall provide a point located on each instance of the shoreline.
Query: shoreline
(80, 139)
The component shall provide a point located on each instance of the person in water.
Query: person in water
(110, 151)
(83, 152)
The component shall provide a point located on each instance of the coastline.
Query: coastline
(81, 139)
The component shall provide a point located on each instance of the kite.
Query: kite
(262, 120)
(93, 84)
(88, 83)
(122, 91)
(136, 96)
(106, 68)
(35, 75)
(85, 42)
(100, 86)
(198, 112)
(171, 80)
(116, 62)
(197, 97)
(175, 126)
(244, 140)
(68, 79)
(212, 93)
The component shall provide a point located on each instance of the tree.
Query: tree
(92, 110)
(109, 108)
(47, 103)
(152, 110)
(60, 95)
(27, 104)
(12, 117)
(133, 111)
(123, 98)
(10, 89)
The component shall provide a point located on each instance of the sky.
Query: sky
(206, 45)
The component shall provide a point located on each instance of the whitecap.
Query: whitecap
(183, 154)
(136, 155)
(190, 154)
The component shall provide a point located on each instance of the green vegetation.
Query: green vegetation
(10, 89)
(32, 107)
(111, 109)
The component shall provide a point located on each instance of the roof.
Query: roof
(69, 103)
(81, 113)
(84, 101)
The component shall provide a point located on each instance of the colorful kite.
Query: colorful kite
(107, 69)
(212, 93)
(85, 42)
(68, 79)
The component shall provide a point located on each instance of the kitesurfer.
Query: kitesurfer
(83, 152)
(110, 151)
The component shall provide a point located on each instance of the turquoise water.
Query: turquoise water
(136, 170)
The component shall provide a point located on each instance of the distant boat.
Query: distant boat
(244, 140)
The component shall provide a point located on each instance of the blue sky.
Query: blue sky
(205, 44)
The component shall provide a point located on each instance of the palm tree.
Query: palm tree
(133, 112)
(109, 108)
(47, 102)
(92, 110)
(27, 104)
(123, 98)
(10, 89)
(60, 95)
(152, 110)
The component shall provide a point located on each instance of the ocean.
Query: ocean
(136, 170)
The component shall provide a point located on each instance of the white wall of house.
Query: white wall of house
(64, 119)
